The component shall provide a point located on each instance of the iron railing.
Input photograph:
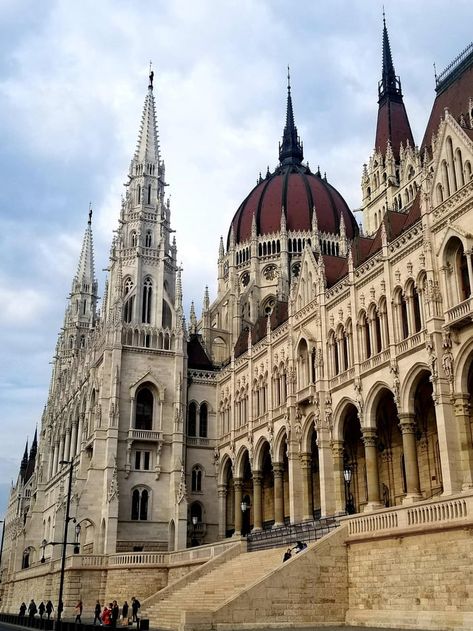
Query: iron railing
(289, 534)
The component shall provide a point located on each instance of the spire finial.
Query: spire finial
(290, 150)
(151, 75)
(90, 214)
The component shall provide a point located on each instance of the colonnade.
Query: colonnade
(68, 446)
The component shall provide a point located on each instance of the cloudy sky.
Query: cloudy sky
(73, 77)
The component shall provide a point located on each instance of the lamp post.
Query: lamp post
(64, 543)
(347, 475)
(195, 520)
(244, 507)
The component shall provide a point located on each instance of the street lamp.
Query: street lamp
(349, 506)
(64, 543)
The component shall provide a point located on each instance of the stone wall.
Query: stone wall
(309, 588)
(412, 581)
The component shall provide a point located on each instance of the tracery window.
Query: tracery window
(144, 409)
(139, 504)
(146, 306)
(148, 238)
(196, 479)
(203, 420)
(192, 419)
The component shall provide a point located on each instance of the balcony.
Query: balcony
(306, 393)
(460, 315)
(144, 434)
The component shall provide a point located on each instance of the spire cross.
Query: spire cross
(90, 213)
(151, 75)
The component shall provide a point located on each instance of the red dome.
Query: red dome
(298, 190)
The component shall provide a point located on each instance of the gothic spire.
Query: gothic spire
(24, 461)
(290, 149)
(85, 275)
(147, 149)
(393, 123)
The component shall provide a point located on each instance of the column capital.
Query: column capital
(461, 404)
(369, 436)
(237, 483)
(222, 490)
(257, 477)
(306, 459)
(278, 469)
(337, 448)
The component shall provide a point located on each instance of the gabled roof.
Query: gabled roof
(196, 354)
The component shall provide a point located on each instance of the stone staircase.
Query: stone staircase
(208, 592)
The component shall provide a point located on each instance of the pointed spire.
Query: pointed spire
(192, 319)
(283, 221)
(390, 84)
(206, 299)
(147, 148)
(290, 150)
(34, 445)
(86, 270)
(221, 250)
(178, 289)
(253, 228)
(24, 460)
(393, 124)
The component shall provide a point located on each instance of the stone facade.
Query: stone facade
(333, 372)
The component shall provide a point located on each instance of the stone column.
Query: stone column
(73, 448)
(408, 428)
(257, 501)
(67, 444)
(51, 462)
(80, 430)
(339, 490)
(372, 475)
(55, 457)
(461, 408)
(222, 510)
(468, 255)
(307, 496)
(326, 473)
(237, 485)
(278, 471)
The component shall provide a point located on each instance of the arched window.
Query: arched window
(148, 239)
(458, 279)
(146, 306)
(144, 409)
(196, 511)
(196, 479)
(167, 316)
(416, 309)
(129, 300)
(149, 194)
(203, 416)
(138, 194)
(192, 420)
(133, 239)
(139, 505)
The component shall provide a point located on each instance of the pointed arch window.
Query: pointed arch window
(149, 194)
(167, 316)
(138, 194)
(148, 239)
(146, 306)
(192, 420)
(139, 505)
(133, 239)
(196, 479)
(144, 409)
(203, 420)
(129, 300)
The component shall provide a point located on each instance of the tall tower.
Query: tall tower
(394, 143)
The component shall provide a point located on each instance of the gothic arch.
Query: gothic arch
(240, 462)
(371, 403)
(151, 382)
(462, 366)
(259, 452)
(279, 449)
(306, 436)
(339, 415)
(409, 385)
(225, 467)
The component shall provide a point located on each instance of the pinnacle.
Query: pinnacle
(86, 270)
(147, 148)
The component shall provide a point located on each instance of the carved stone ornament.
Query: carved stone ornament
(113, 493)
(270, 272)
(245, 279)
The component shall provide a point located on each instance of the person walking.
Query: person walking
(125, 613)
(115, 614)
(97, 611)
(22, 610)
(135, 607)
(79, 608)
(49, 609)
(32, 609)
(106, 613)
(287, 555)
(41, 609)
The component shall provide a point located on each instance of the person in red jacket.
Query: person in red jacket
(106, 613)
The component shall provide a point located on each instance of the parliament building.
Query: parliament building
(327, 385)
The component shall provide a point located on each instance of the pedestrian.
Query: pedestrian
(79, 608)
(41, 609)
(22, 610)
(97, 611)
(115, 614)
(125, 613)
(299, 546)
(287, 555)
(106, 615)
(32, 609)
(49, 609)
(135, 607)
